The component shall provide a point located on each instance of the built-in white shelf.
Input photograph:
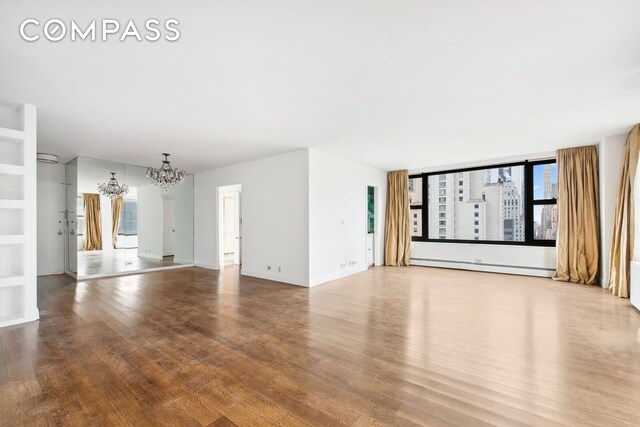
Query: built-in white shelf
(11, 204)
(17, 135)
(11, 239)
(14, 319)
(8, 282)
(12, 169)
(18, 220)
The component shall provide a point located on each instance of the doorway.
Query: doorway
(168, 226)
(372, 193)
(230, 225)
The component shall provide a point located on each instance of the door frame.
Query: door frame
(220, 193)
(376, 228)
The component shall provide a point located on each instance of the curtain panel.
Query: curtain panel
(621, 252)
(578, 237)
(116, 215)
(397, 230)
(92, 229)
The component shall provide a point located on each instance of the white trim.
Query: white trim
(182, 261)
(208, 265)
(21, 319)
(275, 277)
(518, 270)
(55, 273)
(337, 275)
(151, 256)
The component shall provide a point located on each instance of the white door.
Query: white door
(370, 254)
(51, 227)
(237, 249)
(229, 218)
(168, 226)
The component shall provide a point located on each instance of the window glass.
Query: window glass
(488, 193)
(416, 222)
(545, 181)
(371, 209)
(415, 191)
(545, 222)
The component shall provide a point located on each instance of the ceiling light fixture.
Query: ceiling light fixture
(47, 158)
(165, 176)
(112, 189)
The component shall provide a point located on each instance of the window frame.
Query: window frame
(419, 206)
(529, 204)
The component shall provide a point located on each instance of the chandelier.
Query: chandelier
(165, 176)
(112, 189)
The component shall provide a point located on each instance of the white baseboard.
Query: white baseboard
(182, 261)
(210, 266)
(489, 268)
(151, 256)
(32, 317)
(275, 277)
(51, 274)
(336, 275)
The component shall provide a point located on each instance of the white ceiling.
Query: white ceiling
(394, 84)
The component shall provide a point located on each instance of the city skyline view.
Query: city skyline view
(485, 204)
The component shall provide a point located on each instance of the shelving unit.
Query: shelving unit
(18, 298)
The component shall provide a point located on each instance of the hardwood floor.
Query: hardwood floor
(390, 346)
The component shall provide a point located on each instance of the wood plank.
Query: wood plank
(386, 347)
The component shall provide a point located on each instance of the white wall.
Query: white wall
(51, 200)
(51, 172)
(528, 260)
(610, 156)
(183, 195)
(275, 217)
(338, 216)
(150, 229)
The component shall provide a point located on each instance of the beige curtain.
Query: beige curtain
(92, 229)
(397, 230)
(623, 234)
(116, 214)
(578, 236)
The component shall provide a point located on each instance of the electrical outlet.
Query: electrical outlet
(269, 267)
(279, 269)
(478, 261)
(342, 265)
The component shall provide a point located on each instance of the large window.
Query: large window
(502, 204)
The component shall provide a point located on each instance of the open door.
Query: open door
(229, 225)
(237, 250)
